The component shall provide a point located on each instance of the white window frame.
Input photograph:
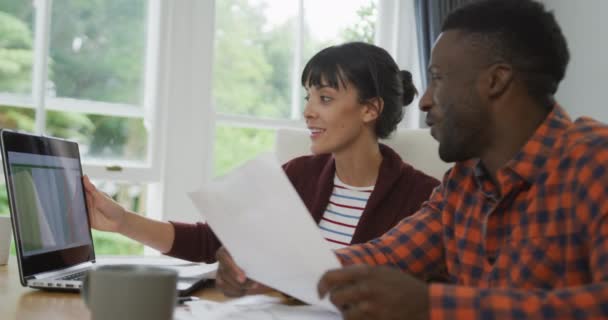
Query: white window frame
(128, 171)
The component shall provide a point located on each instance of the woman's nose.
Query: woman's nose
(308, 110)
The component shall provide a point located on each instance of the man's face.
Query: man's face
(458, 117)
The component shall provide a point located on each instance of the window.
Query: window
(84, 76)
(154, 94)
(261, 47)
(233, 144)
(83, 70)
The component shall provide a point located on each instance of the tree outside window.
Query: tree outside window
(253, 67)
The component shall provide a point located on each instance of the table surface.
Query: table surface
(17, 302)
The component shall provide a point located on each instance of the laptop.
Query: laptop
(49, 214)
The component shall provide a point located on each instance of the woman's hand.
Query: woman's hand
(104, 213)
(231, 279)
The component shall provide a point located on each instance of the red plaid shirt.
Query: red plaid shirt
(537, 249)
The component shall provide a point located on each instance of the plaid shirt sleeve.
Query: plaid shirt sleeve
(589, 301)
(414, 245)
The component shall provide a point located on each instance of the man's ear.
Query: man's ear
(372, 109)
(499, 79)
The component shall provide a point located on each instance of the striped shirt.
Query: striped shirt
(533, 245)
(340, 219)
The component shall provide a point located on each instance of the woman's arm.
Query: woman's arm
(107, 215)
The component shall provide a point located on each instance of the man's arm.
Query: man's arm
(458, 302)
(414, 245)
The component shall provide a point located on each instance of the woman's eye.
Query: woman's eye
(307, 97)
(325, 99)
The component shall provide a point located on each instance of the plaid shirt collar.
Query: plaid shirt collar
(523, 169)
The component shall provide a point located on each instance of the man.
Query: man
(519, 226)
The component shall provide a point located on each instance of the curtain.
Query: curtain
(396, 32)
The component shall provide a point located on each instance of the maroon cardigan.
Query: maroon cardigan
(399, 191)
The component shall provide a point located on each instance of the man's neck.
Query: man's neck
(517, 123)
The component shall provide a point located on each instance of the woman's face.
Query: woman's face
(336, 118)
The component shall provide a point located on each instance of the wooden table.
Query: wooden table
(17, 302)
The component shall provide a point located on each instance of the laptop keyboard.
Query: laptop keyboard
(74, 276)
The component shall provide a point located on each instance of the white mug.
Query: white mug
(130, 292)
(5, 239)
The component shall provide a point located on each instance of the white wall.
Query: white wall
(583, 91)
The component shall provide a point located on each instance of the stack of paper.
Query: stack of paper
(252, 308)
(185, 269)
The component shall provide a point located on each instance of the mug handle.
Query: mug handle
(84, 292)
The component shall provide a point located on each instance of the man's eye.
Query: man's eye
(325, 99)
(307, 97)
(435, 76)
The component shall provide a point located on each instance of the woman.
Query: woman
(354, 187)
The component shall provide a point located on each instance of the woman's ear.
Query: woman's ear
(372, 109)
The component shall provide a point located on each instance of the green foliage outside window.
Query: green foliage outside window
(97, 49)
(364, 29)
(95, 54)
(15, 54)
(251, 67)
(233, 146)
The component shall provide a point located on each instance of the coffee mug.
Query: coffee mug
(5, 239)
(121, 292)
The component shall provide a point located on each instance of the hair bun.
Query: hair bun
(409, 90)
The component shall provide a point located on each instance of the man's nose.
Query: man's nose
(426, 101)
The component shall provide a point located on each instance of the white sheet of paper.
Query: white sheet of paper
(260, 218)
(252, 308)
(185, 269)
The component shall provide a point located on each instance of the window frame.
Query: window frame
(146, 171)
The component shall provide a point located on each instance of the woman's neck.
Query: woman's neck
(359, 164)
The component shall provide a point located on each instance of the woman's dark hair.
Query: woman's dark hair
(372, 71)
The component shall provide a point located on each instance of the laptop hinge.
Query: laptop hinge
(52, 274)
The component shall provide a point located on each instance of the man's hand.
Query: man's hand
(364, 292)
(231, 279)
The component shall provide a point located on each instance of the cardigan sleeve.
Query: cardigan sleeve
(194, 242)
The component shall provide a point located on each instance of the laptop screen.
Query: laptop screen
(48, 197)
(44, 184)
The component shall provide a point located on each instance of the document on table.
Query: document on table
(185, 269)
(260, 218)
(252, 308)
